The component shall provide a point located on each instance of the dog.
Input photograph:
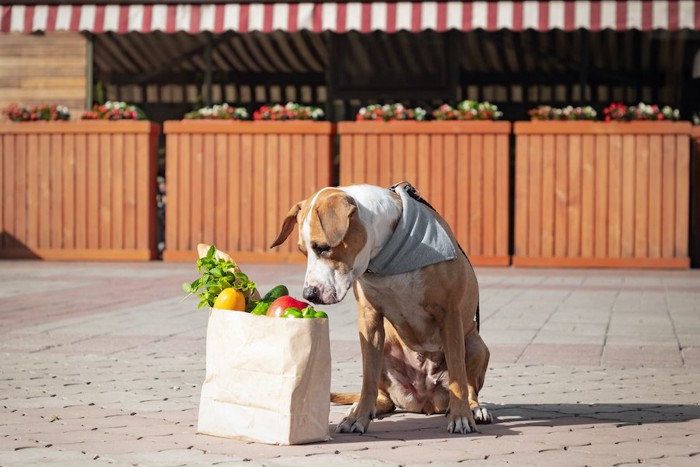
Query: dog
(421, 350)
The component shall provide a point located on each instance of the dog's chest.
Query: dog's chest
(401, 299)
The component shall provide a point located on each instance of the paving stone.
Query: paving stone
(122, 377)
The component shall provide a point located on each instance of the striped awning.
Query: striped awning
(341, 17)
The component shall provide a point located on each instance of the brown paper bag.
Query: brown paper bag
(267, 379)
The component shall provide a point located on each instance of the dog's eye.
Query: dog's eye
(320, 250)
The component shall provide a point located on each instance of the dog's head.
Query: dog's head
(334, 240)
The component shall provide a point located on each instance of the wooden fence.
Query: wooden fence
(602, 194)
(460, 168)
(78, 190)
(232, 184)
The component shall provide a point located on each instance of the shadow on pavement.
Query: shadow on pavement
(512, 418)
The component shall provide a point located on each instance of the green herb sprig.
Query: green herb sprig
(216, 275)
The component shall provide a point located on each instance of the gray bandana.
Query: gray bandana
(418, 241)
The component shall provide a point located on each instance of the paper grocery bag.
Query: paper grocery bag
(267, 379)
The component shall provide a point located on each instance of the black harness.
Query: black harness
(415, 194)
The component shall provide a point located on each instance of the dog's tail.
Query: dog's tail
(345, 398)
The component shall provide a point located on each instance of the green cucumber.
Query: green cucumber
(275, 293)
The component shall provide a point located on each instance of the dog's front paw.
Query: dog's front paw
(461, 424)
(354, 422)
(482, 415)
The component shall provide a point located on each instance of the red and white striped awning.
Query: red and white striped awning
(355, 16)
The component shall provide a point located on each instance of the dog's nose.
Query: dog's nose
(311, 294)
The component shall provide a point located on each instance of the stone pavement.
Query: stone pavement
(102, 364)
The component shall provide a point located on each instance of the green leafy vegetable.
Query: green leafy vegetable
(216, 275)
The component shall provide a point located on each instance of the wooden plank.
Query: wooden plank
(587, 196)
(20, 180)
(431, 127)
(375, 166)
(68, 159)
(561, 198)
(55, 169)
(248, 217)
(627, 228)
(209, 189)
(184, 195)
(309, 174)
(488, 196)
(450, 184)
(235, 204)
(523, 143)
(249, 128)
(197, 191)
(274, 206)
(424, 164)
(9, 201)
(668, 202)
(298, 192)
(45, 191)
(105, 191)
(324, 154)
(88, 127)
(359, 148)
(623, 263)
(81, 192)
(615, 197)
(146, 192)
(258, 189)
(346, 159)
(602, 164)
(534, 209)
(682, 196)
(641, 197)
(286, 201)
(437, 161)
(475, 186)
(117, 220)
(62, 254)
(411, 165)
(131, 155)
(655, 195)
(502, 175)
(546, 232)
(398, 159)
(574, 197)
(172, 147)
(462, 189)
(601, 128)
(222, 178)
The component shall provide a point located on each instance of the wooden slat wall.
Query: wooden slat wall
(232, 184)
(609, 194)
(43, 69)
(78, 190)
(461, 168)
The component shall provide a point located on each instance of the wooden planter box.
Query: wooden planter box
(232, 184)
(460, 168)
(595, 194)
(78, 190)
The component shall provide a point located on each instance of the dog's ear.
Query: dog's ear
(335, 217)
(287, 225)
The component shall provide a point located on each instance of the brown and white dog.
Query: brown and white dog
(421, 350)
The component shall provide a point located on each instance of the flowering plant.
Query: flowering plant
(114, 110)
(290, 111)
(219, 112)
(468, 110)
(18, 113)
(622, 113)
(546, 112)
(389, 112)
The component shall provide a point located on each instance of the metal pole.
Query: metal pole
(89, 69)
(208, 72)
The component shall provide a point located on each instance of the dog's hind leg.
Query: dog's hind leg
(477, 360)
